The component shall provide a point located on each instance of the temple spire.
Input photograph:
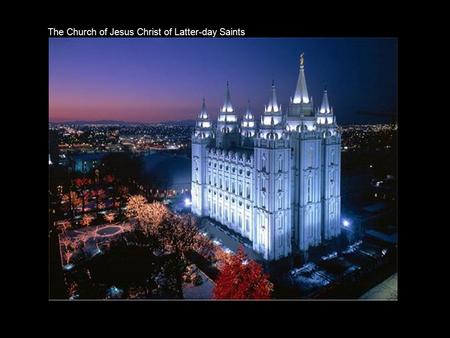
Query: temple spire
(203, 113)
(227, 106)
(273, 103)
(301, 92)
(248, 127)
(248, 113)
(272, 116)
(203, 124)
(325, 107)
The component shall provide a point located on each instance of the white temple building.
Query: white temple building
(276, 182)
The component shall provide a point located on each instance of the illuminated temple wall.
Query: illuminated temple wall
(276, 183)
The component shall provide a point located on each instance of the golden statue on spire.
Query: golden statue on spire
(302, 60)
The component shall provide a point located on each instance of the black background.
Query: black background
(348, 317)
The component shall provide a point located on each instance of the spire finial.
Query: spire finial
(302, 59)
(273, 83)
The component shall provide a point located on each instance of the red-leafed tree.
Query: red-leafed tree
(84, 198)
(99, 195)
(109, 178)
(82, 181)
(242, 278)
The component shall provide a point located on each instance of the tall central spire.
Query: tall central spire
(203, 113)
(301, 92)
(248, 113)
(227, 106)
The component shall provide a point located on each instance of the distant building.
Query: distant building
(85, 163)
(53, 150)
(276, 183)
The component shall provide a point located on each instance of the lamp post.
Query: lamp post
(352, 227)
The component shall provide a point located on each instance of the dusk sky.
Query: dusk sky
(153, 79)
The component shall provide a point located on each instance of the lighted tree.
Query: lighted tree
(242, 278)
(177, 236)
(72, 288)
(68, 248)
(99, 197)
(136, 206)
(101, 205)
(152, 217)
(65, 198)
(123, 193)
(148, 217)
(86, 220)
(222, 257)
(204, 246)
(109, 178)
(109, 217)
(63, 226)
(82, 182)
(84, 198)
(75, 200)
(67, 255)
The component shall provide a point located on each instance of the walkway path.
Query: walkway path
(216, 233)
(386, 290)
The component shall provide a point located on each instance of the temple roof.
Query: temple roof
(248, 113)
(203, 113)
(273, 106)
(301, 92)
(227, 105)
(325, 107)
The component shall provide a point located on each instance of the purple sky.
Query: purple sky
(149, 80)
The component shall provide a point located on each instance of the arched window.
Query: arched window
(309, 190)
(280, 232)
(280, 163)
